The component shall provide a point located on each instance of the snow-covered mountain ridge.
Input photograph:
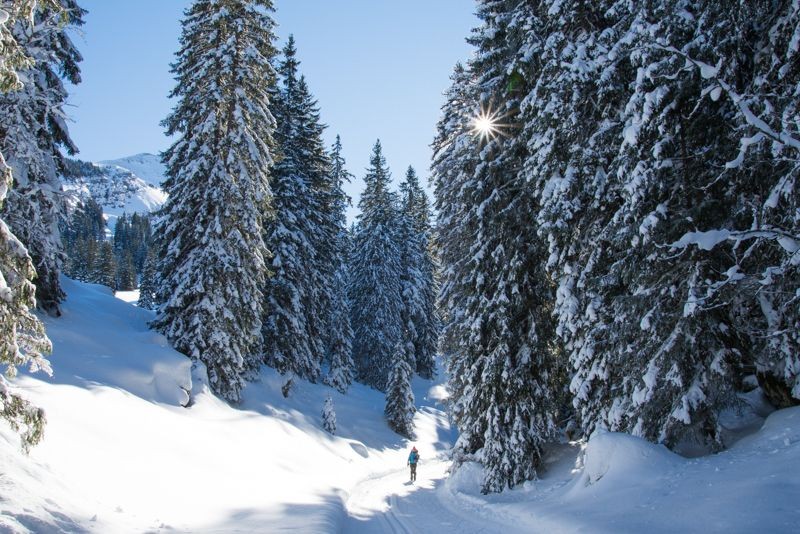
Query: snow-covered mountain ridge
(126, 185)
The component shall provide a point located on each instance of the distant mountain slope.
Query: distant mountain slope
(127, 185)
(148, 167)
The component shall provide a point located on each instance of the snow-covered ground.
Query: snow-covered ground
(122, 454)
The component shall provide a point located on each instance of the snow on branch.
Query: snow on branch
(711, 238)
(709, 72)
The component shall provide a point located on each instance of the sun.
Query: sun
(486, 125)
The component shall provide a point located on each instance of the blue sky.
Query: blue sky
(377, 67)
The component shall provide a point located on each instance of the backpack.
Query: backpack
(413, 457)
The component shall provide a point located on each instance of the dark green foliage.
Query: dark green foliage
(104, 268)
(82, 236)
(376, 278)
(148, 286)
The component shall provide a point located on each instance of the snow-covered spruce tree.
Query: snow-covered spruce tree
(340, 334)
(454, 160)
(411, 254)
(770, 224)
(749, 69)
(419, 275)
(213, 268)
(148, 284)
(300, 234)
(659, 335)
(22, 338)
(375, 286)
(329, 416)
(655, 364)
(500, 331)
(400, 408)
(576, 60)
(33, 132)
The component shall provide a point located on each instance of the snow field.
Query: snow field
(121, 454)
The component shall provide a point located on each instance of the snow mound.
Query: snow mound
(88, 352)
(466, 480)
(622, 458)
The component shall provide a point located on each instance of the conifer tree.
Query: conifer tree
(500, 332)
(376, 270)
(33, 132)
(213, 260)
(126, 272)
(23, 341)
(104, 270)
(148, 284)
(81, 236)
(419, 284)
(329, 416)
(454, 161)
(298, 292)
(400, 409)
(340, 333)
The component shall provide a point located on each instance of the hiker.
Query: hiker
(413, 458)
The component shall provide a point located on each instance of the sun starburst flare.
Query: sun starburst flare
(487, 125)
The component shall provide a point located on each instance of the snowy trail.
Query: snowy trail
(388, 502)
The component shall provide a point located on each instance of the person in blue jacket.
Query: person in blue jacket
(413, 458)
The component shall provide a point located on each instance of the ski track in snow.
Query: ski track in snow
(400, 507)
(389, 502)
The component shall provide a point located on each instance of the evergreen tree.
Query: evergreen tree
(340, 333)
(33, 132)
(141, 239)
(400, 409)
(454, 162)
(651, 330)
(81, 236)
(329, 416)
(298, 292)
(22, 337)
(419, 284)
(132, 240)
(104, 270)
(213, 259)
(126, 273)
(672, 371)
(500, 334)
(148, 284)
(376, 270)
